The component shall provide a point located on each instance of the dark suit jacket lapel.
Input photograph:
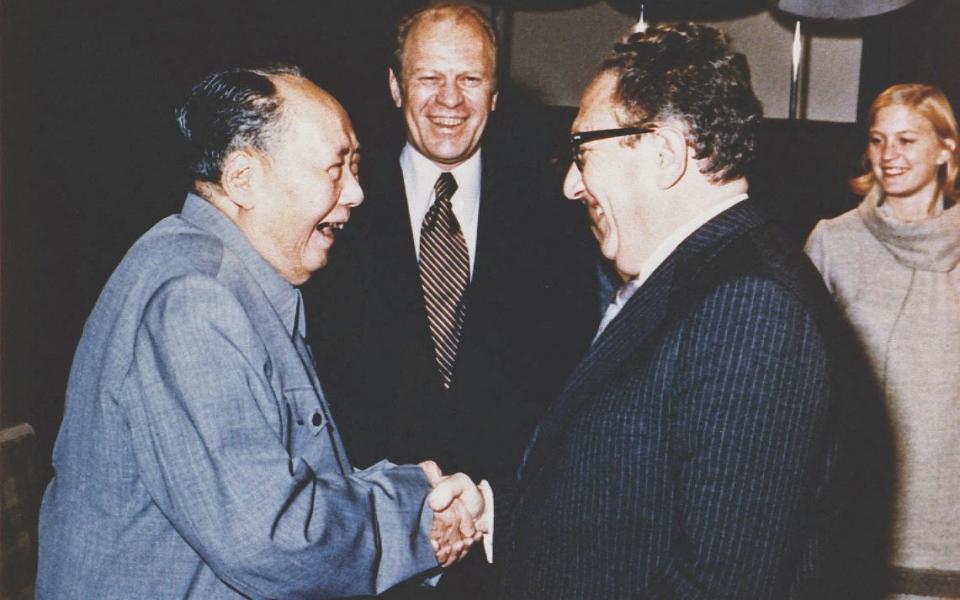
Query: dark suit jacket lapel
(394, 266)
(392, 280)
(491, 285)
(635, 326)
(395, 254)
(630, 329)
(494, 231)
(393, 259)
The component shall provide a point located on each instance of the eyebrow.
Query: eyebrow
(345, 150)
(897, 132)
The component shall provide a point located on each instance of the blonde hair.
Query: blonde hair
(931, 104)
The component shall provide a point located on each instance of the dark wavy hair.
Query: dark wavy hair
(228, 110)
(688, 73)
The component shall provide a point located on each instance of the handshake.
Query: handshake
(462, 513)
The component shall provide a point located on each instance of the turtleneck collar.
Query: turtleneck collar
(932, 244)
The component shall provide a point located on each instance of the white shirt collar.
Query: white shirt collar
(419, 176)
(669, 244)
(672, 241)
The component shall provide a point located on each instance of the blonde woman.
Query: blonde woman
(891, 263)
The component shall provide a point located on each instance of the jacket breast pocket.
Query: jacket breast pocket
(306, 420)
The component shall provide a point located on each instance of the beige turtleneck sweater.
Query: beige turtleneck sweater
(899, 285)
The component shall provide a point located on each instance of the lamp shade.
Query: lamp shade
(533, 5)
(839, 9)
(694, 10)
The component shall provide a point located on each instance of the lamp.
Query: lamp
(826, 9)
(839, 9)
(692, 10)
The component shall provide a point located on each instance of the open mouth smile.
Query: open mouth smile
(447, 121)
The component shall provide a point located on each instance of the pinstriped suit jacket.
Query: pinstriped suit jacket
(700, 449)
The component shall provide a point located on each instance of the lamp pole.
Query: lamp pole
(795, 72)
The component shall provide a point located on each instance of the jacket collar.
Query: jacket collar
(284, 298)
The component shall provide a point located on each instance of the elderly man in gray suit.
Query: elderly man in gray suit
(197, 455)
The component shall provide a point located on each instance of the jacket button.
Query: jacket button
(317, 419)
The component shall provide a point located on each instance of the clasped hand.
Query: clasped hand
(457, 505)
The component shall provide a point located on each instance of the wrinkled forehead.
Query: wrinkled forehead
(455, 33)
(599, 108)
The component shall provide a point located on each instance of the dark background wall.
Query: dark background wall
(916, 44)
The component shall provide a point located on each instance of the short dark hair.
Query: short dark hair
(439, 12)
(228, 110)
(689, 73)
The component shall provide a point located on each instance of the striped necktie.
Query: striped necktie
(444, 274)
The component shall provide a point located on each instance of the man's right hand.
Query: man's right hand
(457, 504)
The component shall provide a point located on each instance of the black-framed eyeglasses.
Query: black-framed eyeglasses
(582, 137)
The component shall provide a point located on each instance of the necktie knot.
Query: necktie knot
(445, 186)
(442, 209)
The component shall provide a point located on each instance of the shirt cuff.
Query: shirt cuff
(485, 522)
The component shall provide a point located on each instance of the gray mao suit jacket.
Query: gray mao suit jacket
(197, 456)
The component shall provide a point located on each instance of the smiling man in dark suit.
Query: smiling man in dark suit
(462, 294)
(700, 448)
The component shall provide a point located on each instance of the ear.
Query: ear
(949, 148)
(239, 177)
(672, 157)
(395, 88)
(493, 101)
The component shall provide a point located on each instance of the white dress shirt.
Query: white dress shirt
(419, 177)
(660, 254)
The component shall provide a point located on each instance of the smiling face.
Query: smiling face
(447, 88)
(905, 154)
(303, 187)
(617, 180)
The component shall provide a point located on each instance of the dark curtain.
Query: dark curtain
(916, 44)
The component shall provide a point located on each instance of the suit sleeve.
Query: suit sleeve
(199, 411)
(750, 412)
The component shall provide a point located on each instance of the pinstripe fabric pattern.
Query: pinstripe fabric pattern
(693, 453)
(444, 274)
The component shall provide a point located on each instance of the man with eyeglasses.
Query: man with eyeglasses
(462, 294)
(699, 449)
